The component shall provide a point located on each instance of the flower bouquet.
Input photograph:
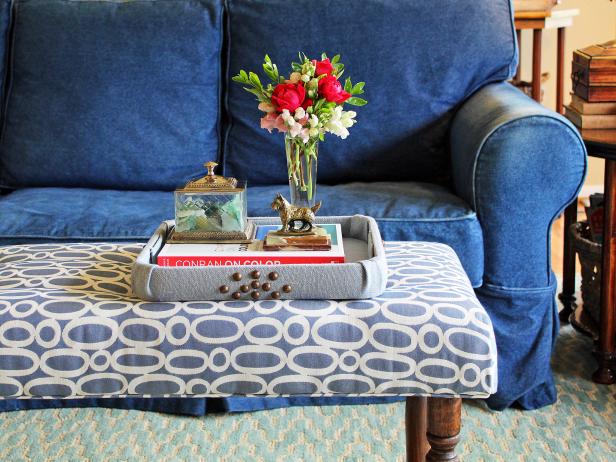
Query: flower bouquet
(305, 106)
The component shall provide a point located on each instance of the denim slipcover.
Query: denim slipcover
(420, 60)
(111, 94)
(5, 21)
(515, 164)
(518, 165)
(404, 211)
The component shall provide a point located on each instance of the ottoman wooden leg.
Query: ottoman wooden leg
(416, 428)
(444, 416)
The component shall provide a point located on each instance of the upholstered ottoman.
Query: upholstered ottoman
(69, 327)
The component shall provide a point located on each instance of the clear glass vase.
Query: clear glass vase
(302, 169)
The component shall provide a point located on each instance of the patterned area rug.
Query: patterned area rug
(374, 432)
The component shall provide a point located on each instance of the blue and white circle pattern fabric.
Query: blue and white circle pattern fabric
(69, 326)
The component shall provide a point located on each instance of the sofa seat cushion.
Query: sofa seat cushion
(404, 211)
(111, 94)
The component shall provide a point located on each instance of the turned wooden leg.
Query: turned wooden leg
(606, 352)
(567, 296)
(444, 421)
(416, 428)
(518, 73)
(537, 39)
(560, 71)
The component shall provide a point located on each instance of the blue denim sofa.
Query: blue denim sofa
(108, 105)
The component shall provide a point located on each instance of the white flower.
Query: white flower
(348, 118)
(305, 135)
(306, 78)
(295, 129)
(340, 121)
(286, 116)
(300, 113)
(314, 121)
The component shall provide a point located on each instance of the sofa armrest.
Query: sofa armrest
(518, 165)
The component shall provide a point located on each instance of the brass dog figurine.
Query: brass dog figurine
(292, 216)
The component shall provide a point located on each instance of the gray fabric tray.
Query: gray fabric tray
(363, 276)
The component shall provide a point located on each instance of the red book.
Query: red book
(187, 261)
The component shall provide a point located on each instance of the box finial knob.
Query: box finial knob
(210, 170)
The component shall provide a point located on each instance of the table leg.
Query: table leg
(537, 38)
(416, 420)
(560, 71)
(567, 296)
(444, 422)
(606, 352)
(518, 72)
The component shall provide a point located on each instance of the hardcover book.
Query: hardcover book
(250, 254)
(584, 107)
(586, 121)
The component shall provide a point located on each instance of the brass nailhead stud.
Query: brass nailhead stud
(255, 274)
(275, 295)
(244, 288)
(255, 294)
(236, 295)
(286, 288)
(273, 276)
(266, 286)
(237, 277)
(255, 284)
(224, 289)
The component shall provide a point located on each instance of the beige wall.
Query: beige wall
(595, 24)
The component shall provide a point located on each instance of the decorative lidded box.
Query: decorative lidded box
(211, 209)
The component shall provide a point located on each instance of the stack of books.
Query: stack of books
(593, 101)
(257, 252)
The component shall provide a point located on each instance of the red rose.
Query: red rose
(332, 90)
(323, 67)
(288, 96)
(307, 103)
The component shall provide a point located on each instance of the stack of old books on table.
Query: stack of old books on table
(593, 100)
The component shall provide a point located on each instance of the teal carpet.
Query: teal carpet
(581, 427)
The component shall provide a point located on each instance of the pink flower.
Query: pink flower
(273, 120)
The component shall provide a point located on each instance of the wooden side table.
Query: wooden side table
(537, 21)
(599, 143)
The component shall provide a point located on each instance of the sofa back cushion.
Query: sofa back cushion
(111, 94)
(420, 59)
(5, 21)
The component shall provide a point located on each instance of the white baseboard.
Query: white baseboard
(589, 189)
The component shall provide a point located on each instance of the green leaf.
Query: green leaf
(238, 78)
(335, 59)
(254, 78)
(323, 56)
(358, 89)
(354, 101)
(244, 75)
(348, 86)
(258, 93)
